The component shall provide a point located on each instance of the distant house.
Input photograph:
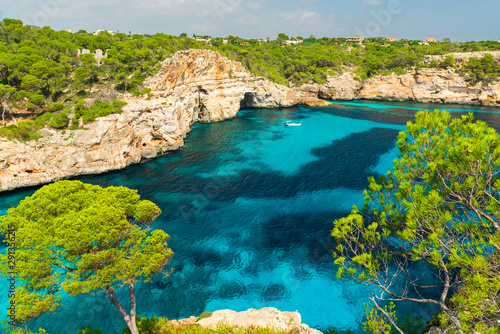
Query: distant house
(356, 39)
(98, 55)
(391, 39)
(225, 41)
(201, 39)
(244, 43)
(430, 40)
(292, 42)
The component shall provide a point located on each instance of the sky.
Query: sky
(459, 20)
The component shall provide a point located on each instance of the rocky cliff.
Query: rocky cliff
(463, 57)
(192, 86)
(221, 86)
(267, 317)
(425, 85)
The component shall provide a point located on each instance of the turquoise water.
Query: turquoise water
(249, 204)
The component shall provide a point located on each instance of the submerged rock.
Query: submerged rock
(275, 291)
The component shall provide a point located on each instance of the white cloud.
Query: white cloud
(371, 2)
(305, 15)
(254, 5)
(245, 18)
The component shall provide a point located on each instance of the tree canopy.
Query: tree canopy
(78, 238)
(437, 212)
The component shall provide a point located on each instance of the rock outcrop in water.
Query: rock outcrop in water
(266, 317)
(425, 85)
(192, 86)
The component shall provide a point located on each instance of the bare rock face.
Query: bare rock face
(221, 86)
(426, 85)
(192, 86)
(142, 131)
(266, 317)
(343, 87)
(429, 85)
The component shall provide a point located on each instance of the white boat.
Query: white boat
(290, 123)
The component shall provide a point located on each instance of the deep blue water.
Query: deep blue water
(249, 205)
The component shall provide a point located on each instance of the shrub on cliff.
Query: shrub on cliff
(60, 120)
(484, 69)
(98, 109)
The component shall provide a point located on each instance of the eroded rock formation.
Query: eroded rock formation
(221, 86)
(425, 85)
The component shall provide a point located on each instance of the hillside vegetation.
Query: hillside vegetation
(46, 81)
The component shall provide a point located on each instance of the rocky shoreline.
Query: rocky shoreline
(426, 85)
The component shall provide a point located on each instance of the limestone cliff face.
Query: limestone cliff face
(342, 87)
(430, 85)
(195, 85)
(426, 85)
(142, 131)
(221, 86)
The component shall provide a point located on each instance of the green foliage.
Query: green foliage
(41, 60)
(310, 61)
(449, 61)
(23, 131)
(221, 329)
(145, 326)
(485, 69)
(29, 130)
(98, 109)
(477, 301)
(79, 238)
(438, 208)
(56, 106)
(163, 326)
(377, 323)
(336, 331)
(23, 330)
(89, 330)
(60, 120)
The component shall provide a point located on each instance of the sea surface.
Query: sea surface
(249, 205)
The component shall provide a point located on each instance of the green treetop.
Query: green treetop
(80, 238)
(437, 211)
